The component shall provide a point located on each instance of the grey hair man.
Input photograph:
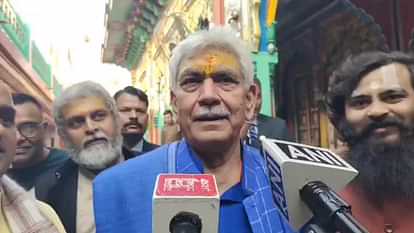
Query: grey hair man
(371, 103)
(213, 94)
(88, 123)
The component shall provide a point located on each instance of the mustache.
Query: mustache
(207, 113)
(133, 122)
(387, 122)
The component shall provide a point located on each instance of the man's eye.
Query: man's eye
(226, 81)
(125, 110)
(358, 103)
(190, 84)
(393, 98)
(99, 115)
(75, 123)
(7, 123)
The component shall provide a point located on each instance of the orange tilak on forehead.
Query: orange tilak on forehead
(211, 63)
(214, 59)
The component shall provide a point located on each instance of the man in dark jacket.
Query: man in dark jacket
(132, 104)
(88, 123)
(271, 127)
(33, 158)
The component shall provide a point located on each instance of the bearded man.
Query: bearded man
(371, 104)
(88, 123)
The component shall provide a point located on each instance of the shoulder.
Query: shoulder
(58, 153)
(57, 157)
(54, 179)
(68, 167)
(253, 152)
(254, 157)
(50, 214)
(255, 163)
(152, 161)
(150, 146)
(122, 195)
(65, 169)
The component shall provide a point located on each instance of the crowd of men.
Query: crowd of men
(89, 186)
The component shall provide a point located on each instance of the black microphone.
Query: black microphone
(185, 222)
(329, 209)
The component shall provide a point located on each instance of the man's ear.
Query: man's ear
(173, 101)
(251, 102)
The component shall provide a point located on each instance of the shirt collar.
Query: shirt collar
(138, 147)
(188, 162)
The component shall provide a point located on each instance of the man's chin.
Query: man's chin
(131, 139)
(132, 131)
(19, 162)
(131, 134)
(97, 157)
(211, 139)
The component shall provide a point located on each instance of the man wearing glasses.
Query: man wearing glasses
(32, 158)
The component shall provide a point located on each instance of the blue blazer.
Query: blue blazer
(123, 194)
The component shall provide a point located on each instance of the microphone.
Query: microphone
(185, 203)
(293, 167)
(329, 208)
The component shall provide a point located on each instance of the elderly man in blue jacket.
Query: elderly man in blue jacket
(212, 92)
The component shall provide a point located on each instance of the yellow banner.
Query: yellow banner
(272, 11)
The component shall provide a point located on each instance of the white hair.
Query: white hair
(98, 157)
(216, 38)
(80, 91)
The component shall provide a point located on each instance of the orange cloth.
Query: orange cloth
(397, 216)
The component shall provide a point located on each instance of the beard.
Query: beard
(386, 171)
(97, 157)
(131, 139)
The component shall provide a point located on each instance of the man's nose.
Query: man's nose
(377, 110)
(91, 126)
(208, 92)
(133, 113)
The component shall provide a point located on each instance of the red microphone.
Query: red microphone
(185, 203)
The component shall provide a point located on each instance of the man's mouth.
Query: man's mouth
(22, 149)
(95, 141)
(132, 126)
(211, 117)
(385, 130)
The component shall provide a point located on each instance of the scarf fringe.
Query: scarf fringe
(22, 210)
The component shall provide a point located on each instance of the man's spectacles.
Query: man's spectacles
(30, 129)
